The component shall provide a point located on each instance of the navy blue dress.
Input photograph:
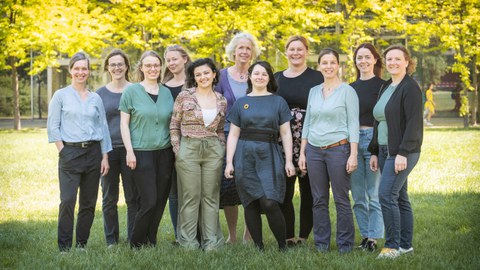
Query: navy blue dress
(259, 165)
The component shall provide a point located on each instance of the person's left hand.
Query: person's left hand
(400, 164)
(290, 169)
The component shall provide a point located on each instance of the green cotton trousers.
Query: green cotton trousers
(199, 169)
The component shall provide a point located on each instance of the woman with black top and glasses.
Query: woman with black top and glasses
(117, 65)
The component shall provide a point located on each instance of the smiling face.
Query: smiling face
(175, 62)
(204, 76)
(296, 53)
(259, 77)
(328, 66)
(80, 72)
(365, 61)
(117, 67)
(396, 63)
(151, 68)
(243, 51)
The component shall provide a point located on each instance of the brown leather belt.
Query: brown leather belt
(342, 142)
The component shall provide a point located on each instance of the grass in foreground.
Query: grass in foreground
(444, 190)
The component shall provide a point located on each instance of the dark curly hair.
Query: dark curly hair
(190, 81)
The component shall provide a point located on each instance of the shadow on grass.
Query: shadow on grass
(446, 236)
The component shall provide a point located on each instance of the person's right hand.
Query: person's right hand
(373, 163)
(131, 160)
(302, 164)
(229, 171)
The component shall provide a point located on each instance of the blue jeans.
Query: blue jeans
(328, 167)
(396, 208)
(364, 184)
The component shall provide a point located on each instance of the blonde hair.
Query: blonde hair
(230, 49)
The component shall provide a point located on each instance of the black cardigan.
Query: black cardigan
(403, 113)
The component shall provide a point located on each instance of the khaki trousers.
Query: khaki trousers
(199, 169)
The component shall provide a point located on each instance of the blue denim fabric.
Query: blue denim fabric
(364, 184)
(328, 167)
(396, 208)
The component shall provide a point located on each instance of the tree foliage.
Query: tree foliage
(58, 28)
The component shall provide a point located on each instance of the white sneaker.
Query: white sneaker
(404, 251)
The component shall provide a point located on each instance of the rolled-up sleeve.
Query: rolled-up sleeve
(54, 118)
(353, 125)
(106, 142)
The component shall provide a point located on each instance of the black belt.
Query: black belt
(81, 144)
(258, 135)
(263, 136)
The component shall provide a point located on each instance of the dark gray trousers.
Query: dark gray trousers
(78, 169)
(327, 167)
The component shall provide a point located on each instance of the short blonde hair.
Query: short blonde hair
(230, 49)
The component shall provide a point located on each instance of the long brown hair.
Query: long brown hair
(377, 69)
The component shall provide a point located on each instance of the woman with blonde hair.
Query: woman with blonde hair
(146, 109)
(174, 76)
(242, 49)
(294, 84)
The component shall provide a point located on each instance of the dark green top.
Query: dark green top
(149, 120)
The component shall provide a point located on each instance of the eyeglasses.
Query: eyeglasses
(119, 65)
(149, 66)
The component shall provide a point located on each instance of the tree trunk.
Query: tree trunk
(16, 95)
(475, 91)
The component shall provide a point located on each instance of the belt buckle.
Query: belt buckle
(85, 144)
(323, 147)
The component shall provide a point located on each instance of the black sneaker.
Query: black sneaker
(370, 246)
(291, 243)
(363, 244)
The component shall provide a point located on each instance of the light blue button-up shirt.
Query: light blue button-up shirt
(331, 120)
(72, 119)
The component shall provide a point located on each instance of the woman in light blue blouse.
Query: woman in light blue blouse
(329, 151)
(78, 127)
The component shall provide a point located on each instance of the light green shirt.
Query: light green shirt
(331, 120)
(379, 114)
(149, 120)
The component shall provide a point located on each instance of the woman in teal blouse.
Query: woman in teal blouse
(146, 109)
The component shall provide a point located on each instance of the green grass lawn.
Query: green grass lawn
(444, 190)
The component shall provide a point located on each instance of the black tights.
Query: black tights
(275, 219)
(306, 201)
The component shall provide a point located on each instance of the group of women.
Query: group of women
(261, 131)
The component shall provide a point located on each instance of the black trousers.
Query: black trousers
(78, 169)
(306, 202)
(110, 189)
(152, 178)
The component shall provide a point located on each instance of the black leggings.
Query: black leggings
(306, 201)
(275, 219)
